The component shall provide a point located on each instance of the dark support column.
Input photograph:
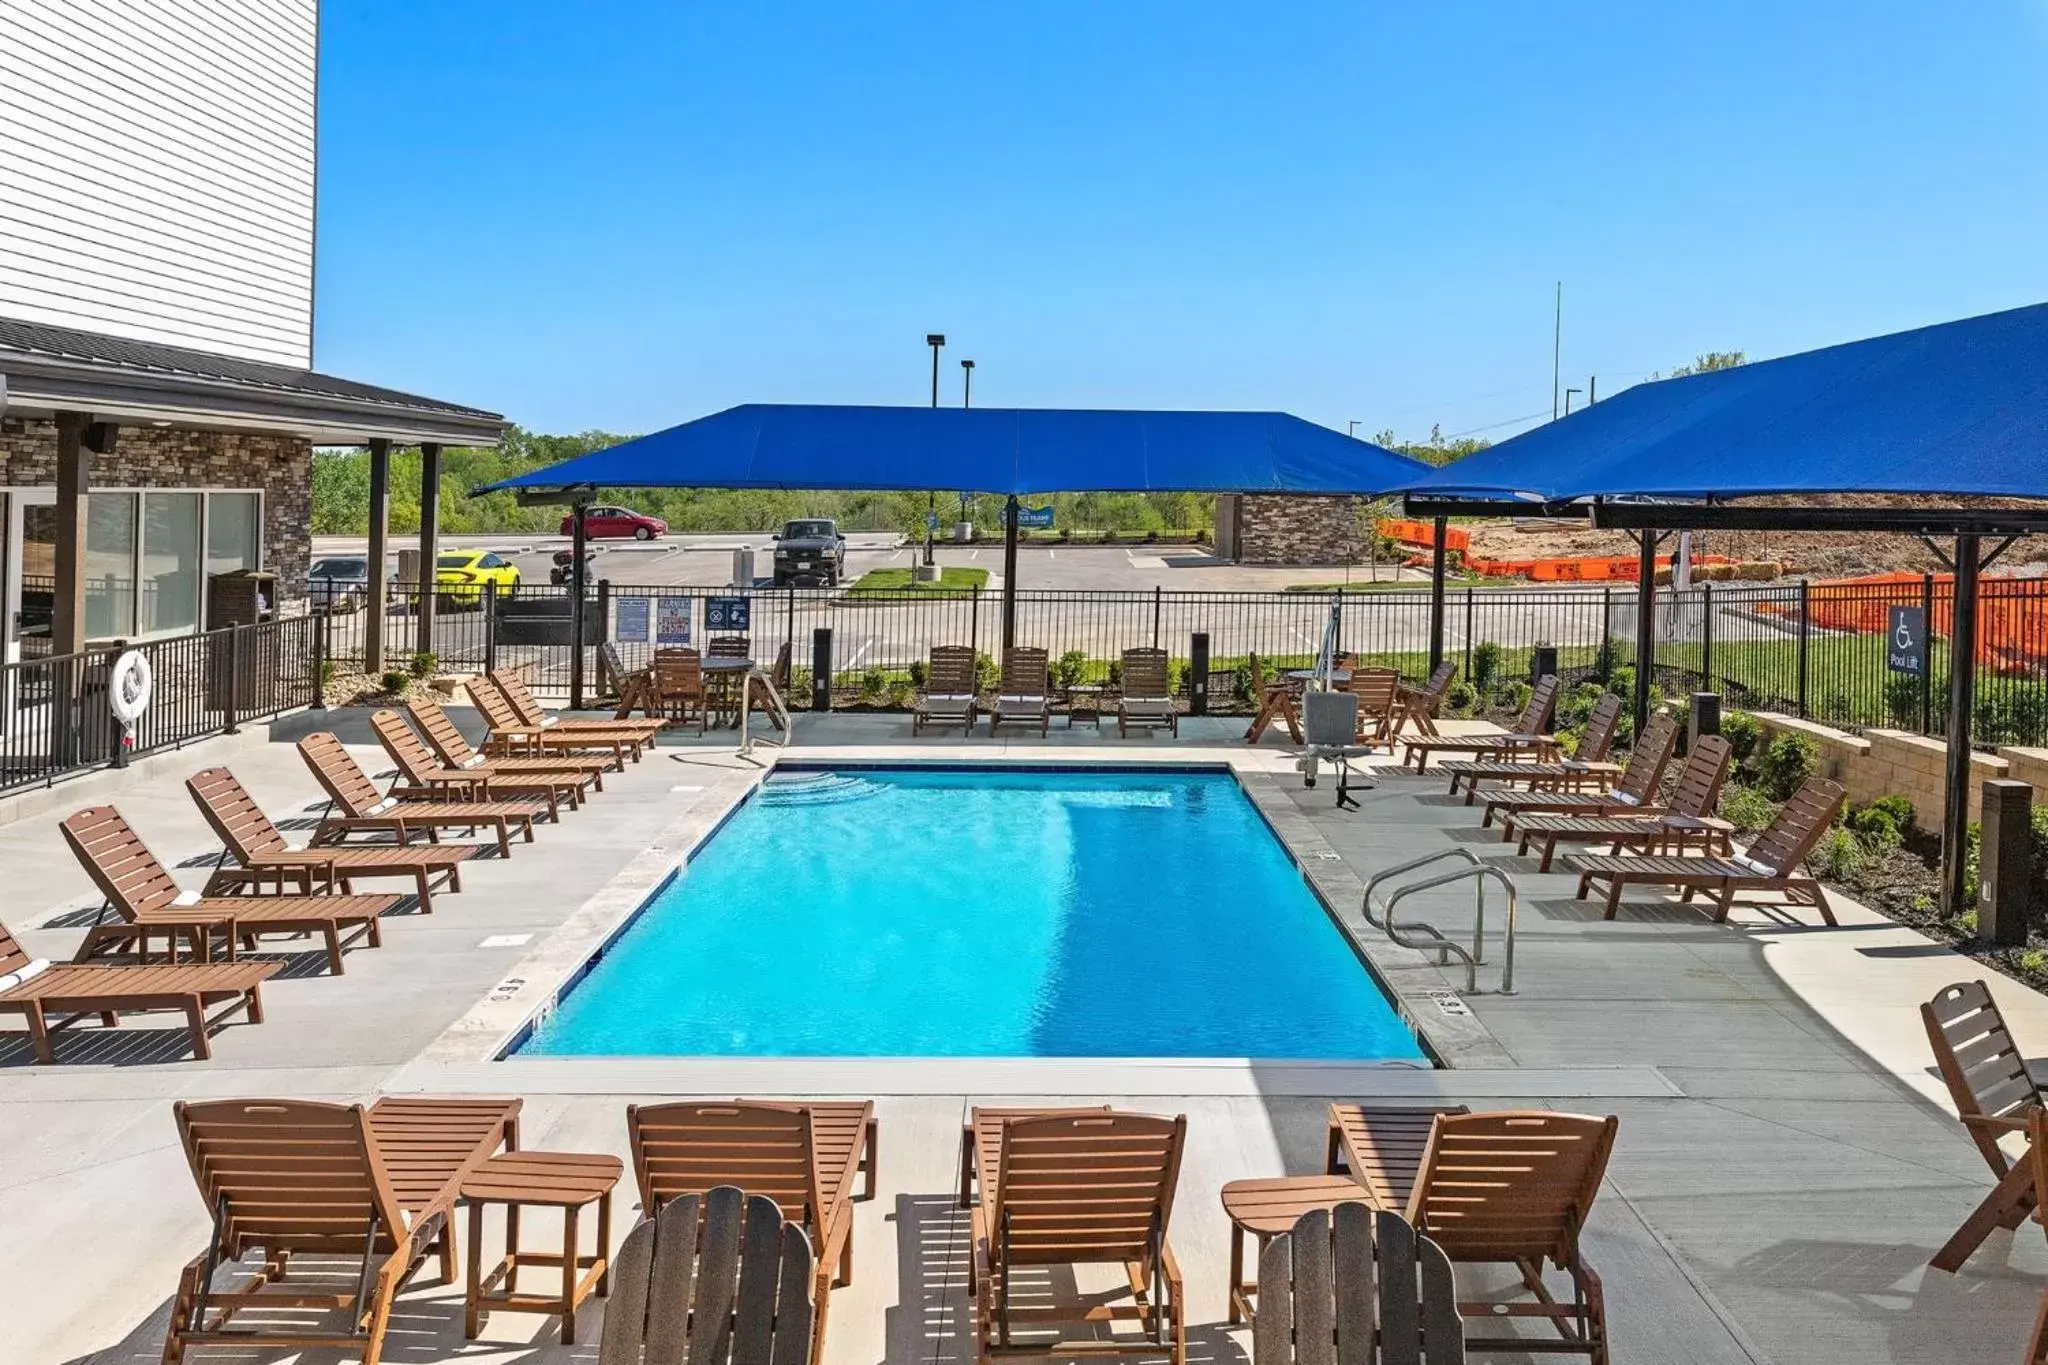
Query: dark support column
(1646, 624)
(1010, 572)
(376, 589)
(67, 618)
(578, 538)
(1962, 701)
(430, 542)
(1436, 596)
(2005, 895)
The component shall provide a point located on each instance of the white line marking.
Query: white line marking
(861, 653)
(686, 789)
(506, 941)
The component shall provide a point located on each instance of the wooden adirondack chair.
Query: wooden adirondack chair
(713, 1279)
(1356, 1285)
(1996, 1095)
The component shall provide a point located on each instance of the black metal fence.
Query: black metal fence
(55, 716)
(1817, 650)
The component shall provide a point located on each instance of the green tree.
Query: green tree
(1712, 360)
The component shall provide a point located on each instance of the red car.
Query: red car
(616, 523)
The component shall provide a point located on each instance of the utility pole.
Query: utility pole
(1556, 348)
(1592, 389)
(935, 340)
(1351, 429)
(966, 384)
(1568, 400)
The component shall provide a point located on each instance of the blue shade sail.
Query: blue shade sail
(988, 450)
(1957, 409)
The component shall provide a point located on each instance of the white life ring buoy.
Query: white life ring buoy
(128, 688)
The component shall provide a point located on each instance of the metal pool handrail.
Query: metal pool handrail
(1479, 873)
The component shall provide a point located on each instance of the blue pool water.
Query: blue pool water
(906, 912)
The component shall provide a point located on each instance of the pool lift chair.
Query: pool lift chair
(1330, 720)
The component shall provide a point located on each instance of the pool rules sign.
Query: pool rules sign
(1905, 649)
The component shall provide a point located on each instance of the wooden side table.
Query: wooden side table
(1265, 1209)
(561, 1180)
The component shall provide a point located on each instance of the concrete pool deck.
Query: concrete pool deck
(1786, 1160)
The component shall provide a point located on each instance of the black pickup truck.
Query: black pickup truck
(811, 550)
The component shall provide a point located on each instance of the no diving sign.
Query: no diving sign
(1905, 641)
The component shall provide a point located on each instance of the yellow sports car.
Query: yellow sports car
(461, 575)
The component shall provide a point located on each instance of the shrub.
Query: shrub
(1606, 659)
(1747, 807)
(1485, 665)
(1785, 763)
(1068, 669)
(1902, 700)
(1512, 696)
(1176, 677)
(394, 681)
(987, 673)
(1621, 680)
(1743, 733)
(1875, 826)
(327, 671)
(874, 684)
(1240, 683)
(1838, 855)
(1116, 675)
(902, 695)
(1460, 699)
(1899, 808)
(2033, 961)
(920, 673)
(424, 663)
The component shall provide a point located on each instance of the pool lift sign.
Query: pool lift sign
(1905, 641)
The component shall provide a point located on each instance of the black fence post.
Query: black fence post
(319, 702)
(1706, 637)
(789, 626)
(1468, 635)
(1804, 637)
(1927, 663)
(1155, 616)
(1606, 657)
(491, 629)
(821, 669)
(232, 692)
(974, 621)
(1198, 674)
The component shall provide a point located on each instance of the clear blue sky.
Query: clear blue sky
(627, 213)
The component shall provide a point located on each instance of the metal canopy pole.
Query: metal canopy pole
(1436, 596)
(1962, 698)
(1010, 572)
(430, 547)
(576, 590)
(376, 589)
(1646, 623)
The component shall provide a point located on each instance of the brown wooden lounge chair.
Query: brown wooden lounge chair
(804, 1157)
(950, 694)
(1379, 704)
(423, 775)
(1995, 1094)
(530, 712)
(1358, 1285)
(1278, 698)
(1530, 739)
(1023, 697)
(1589, 767)
(1635, 792)
(365, 810)
(147, 900)
(1146, 698)
(290, 1177)
(1511, 1187)
(509, 735)
(1419, 704)
(699, 1281)
(1687, 821)
(52, 996)
(263, 853)
(1078, 1188)
(1771, 863)
(571, 775)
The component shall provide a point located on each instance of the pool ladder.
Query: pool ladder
(1432, 938)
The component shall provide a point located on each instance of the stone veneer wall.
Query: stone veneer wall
(1280, 529)
(171, 457)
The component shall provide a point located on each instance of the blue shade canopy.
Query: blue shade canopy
(987, 450)
(1957, 409)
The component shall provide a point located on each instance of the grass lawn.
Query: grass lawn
(898, 583)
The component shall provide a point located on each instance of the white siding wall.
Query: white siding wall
(156, 170)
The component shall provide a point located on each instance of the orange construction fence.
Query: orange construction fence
(2012, 613)
(1423, 533)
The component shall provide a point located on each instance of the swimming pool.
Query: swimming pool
(898, 912)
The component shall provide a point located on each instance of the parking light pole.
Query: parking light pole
(937, 341)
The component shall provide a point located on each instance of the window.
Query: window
(109, 564)
(169, 598)
(491, 562)
(234, 536)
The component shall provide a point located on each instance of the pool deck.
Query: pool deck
(1786, 1161)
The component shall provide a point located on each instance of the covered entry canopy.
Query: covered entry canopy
(987, 450)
